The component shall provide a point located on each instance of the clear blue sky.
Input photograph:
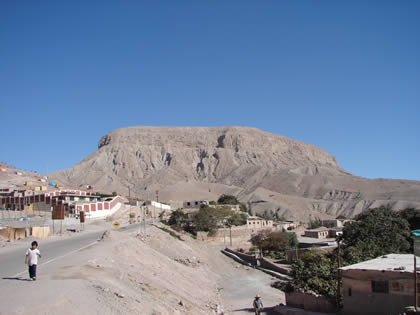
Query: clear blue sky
(342, 75)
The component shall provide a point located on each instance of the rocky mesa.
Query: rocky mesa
(271, 173)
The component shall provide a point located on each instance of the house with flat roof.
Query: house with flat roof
(384, 285)
(321, 232)
(255, 224)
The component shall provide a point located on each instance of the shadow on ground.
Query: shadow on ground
(16, 278)
(267, 310)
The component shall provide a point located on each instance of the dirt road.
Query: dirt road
(241, 285)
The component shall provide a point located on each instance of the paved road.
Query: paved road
(12, 259)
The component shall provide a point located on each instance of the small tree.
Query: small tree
(237, 219)
(258, 239)
(276, 242)
(314, 223)
(293, 241)
(412, 216)
(205, 220)
(315, 272)
(227, 200)
(178, 218)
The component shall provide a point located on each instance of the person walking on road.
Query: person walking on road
(258, 305)
(31, 259)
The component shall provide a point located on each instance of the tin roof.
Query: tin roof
(391, 262)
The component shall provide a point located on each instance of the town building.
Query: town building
(285, 225)
(321, 232)
(384, 285)
(255, 224)
(195, 204)
(74, 201)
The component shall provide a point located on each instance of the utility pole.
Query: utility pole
(154, 212)
(338, 273)
(224, 232)
(415, 283)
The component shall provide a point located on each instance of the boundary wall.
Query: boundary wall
(310, 302)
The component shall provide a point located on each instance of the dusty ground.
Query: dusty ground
(152, 273)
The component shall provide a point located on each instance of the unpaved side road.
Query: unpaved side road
(240, 286)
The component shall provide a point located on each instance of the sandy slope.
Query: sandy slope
(140, 274)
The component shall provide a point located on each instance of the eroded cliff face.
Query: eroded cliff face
(291, 177)
(208, 154)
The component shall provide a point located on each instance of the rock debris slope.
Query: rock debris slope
(269, 172)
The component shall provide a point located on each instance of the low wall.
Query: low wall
(291, 253)
(11, 234)
(310, 302)
(248, 258)
(274, 267)
(41, 232)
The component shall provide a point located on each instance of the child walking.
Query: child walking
(31, 259)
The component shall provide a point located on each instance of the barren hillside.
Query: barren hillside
(130, 273)
(267, 171)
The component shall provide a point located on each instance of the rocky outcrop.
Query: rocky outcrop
(294, 179)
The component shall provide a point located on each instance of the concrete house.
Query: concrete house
(321, 232)
(384, 285)
(256, 223)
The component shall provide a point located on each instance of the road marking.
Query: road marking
(56, 258)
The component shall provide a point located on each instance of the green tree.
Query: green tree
(412, 216)
(376, 232)
(227, 200)
(293, 241)
(315, 272)
(258, 239)
(276, 242)
(237, 219)
(243, 208)
(207, 219)
(178, 218)
(314, 223)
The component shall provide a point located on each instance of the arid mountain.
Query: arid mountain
(269, 172)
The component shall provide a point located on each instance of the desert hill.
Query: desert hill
(269, 172)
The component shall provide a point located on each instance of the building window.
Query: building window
(380, 286)
(396, 286)
(349, 291)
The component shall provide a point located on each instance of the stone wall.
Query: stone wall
(248, 258)
(264, 263)
(310, 302)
